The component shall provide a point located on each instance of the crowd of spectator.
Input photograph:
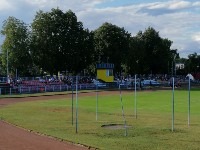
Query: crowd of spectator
(69, 80)
(42, 81)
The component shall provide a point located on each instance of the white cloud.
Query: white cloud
(196, 4)
(170, 5)
(158, 5)
(179, 4)
(196, 37)
(5, 5)
(75, 5)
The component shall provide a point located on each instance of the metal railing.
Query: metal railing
(46, 88)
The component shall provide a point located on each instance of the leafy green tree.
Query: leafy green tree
(59, 42)
(15, 47)
(111, 45)
(132, 57)
(135, 55)
(152, 42)
(151, 52)
(86, 55)
(43, 39)
(192, 64)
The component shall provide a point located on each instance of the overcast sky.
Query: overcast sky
(177, 20)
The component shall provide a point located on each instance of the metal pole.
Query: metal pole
(189, 103)
(97, 96)
(72, 102)
(135, 99)
(125, 127)
(76, 104)
(172, 104)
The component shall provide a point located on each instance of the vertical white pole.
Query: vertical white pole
(72, 101)
(189, 103)
(135, 99)
(76, 104)
(97, 97)
(172, 104)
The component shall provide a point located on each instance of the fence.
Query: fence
(44, 88)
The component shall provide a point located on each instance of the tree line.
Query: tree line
(57, 41)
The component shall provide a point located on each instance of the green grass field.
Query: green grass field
(150, 131)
